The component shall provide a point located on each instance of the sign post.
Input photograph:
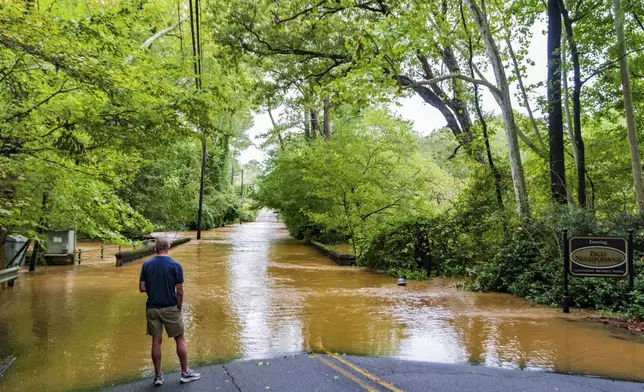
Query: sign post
(631, 268)
(565, 299)
(597, 257)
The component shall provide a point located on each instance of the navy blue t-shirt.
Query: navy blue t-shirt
(161, 274)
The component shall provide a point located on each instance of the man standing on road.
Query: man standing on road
(162, 280)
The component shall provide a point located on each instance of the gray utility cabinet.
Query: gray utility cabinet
(13, 245)
(61, 247)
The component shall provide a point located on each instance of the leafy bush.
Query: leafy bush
(247, 212)
(221, 209)
(396, 250)
(635, 310)
(455, 240)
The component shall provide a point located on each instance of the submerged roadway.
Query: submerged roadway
(327, 371)
(259, 302)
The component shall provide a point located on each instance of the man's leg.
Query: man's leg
(174, 327)
(187, 375)
(182, 352)
(156, 354)
(155, 329)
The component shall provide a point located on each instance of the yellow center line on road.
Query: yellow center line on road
(365, 373)
(346, 374)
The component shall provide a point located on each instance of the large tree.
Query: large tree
(636, 162)
(555, 114)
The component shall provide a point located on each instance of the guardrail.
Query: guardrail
(338, 257)
(9, 275)
(126, 257)
(99, 253)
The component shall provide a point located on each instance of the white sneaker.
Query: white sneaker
(158, 380)
(190, 376)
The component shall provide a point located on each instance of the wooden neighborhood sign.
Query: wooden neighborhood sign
(599, 256)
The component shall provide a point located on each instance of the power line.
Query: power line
(197, 12)
(180, 29)
(196, 65)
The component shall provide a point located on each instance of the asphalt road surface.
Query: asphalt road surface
(332, 372)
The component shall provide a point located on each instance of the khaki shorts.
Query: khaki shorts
(170, 318)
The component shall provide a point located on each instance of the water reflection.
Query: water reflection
(252, 291)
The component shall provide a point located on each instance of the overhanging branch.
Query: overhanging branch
(60, 63)
(395, 203)
(493, 89)
(25, 113)
(300, 13)
(287, 51)
(150, 41)
(609, 65)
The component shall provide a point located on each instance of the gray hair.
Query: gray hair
(162, 244)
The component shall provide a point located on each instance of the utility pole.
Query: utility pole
(201, 185)
(242, 184)
(242, 193)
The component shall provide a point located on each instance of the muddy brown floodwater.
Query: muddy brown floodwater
(252, 291)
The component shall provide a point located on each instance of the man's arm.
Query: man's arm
(142, 287)
(179, 285)
(179, 295)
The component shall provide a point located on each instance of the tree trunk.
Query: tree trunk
(326, 127)
(34, 256)
(3, 237)
(220, 164)
(577, 142)
(488, 149)
(307, 126)
(555, 115)
(628, 107)
(314, 124)
(504, 101)
(566, 99)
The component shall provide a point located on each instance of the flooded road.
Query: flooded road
(252, 292)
